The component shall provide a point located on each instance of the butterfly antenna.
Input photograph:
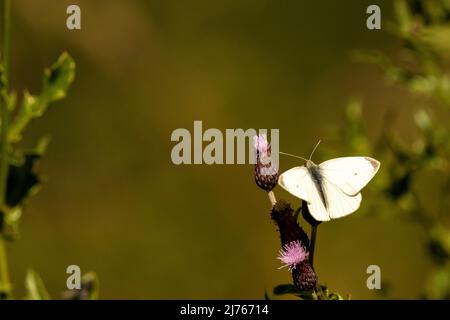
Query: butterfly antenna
(314, 150)
(292, 155)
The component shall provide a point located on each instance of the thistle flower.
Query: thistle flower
(292, 254)
(266, 175)
(295, 243)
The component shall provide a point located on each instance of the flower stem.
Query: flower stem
(272, 198)
(297, 213)
(5, 284)
(5, 287)
(313, 244)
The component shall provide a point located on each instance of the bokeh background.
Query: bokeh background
(114, 203)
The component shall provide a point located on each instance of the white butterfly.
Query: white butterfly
(332, 188)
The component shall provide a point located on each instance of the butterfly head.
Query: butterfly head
(310, 164)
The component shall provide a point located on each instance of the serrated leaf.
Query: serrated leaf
(284, 289)
(57, 80)
(35, 287)
(21, 180)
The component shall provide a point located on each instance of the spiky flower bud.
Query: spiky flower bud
(304, 276)
(266, 174)
(295, 246)
(282, 215)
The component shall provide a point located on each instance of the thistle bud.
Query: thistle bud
(266, 174)
(290, 230)
(304, 276)
(295, 246)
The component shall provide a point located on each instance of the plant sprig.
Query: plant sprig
(18, 177)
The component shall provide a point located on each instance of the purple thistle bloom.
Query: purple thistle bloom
(262, 148)
(266, 175)
(292, 254)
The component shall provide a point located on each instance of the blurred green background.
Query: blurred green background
(113, 202)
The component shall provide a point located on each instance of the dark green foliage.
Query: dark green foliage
(423, 31)
(413, 163)
(21, 179)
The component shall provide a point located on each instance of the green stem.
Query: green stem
(5, 284)
(313, 244)
(297, 213)
(5, 287)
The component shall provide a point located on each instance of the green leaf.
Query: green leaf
(21, 180)
(404, 18)
(284, 289)
(35, 287)
(57, 80)
(438, 284)
(90, 286)
(335, 296)
(437, 37)
(9, 222)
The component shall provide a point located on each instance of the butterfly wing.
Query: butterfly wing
(340, 204)
(341, 182)
(316, 206)
(349, 174)
(296, 181)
